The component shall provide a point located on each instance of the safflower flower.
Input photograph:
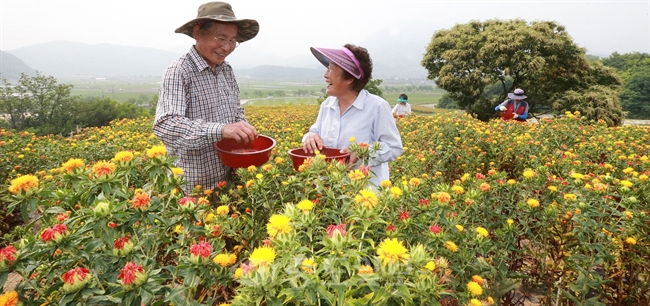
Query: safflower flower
(630, 241)
(484, 187)
(458, 189)
(430, 266)
(140, 201)
(278, 224)
(103, 168)
(459, 227)
(223, 210)
(367, 198)
(528, 173)
(415, 181)
(199, 252)
(532, 203)
(308, 265)
(643, 177)
(626, 183)
(450, 245)
(396, 191)
(262, 256)
(55, 233)
(225, 260)
(9, 299)
(392, 251)
(7, 257)
(122, 246)
(365, 269)
(123, 156)
(305, 205)
(570, 196)
(356, 175)
(442, 196)
(385, 183)
(132, 275)
(474, 288)
(482, 231)
(75, 279)
(26, 183)
(334, 229)
(177, 171)
(475, 302)
(72, 164)
(156, 151)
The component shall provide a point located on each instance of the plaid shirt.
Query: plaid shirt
(195, 103)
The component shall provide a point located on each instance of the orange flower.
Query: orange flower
(9, 299)
(102, 168)
(140, 201)
(26, 183)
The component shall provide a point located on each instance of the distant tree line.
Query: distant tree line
(634, 70)
(42, 105)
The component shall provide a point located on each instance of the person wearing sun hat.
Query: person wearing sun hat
(351, 111)
(515, 107)
(198, 103)
(402, 108)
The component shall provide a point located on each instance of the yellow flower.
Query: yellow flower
(305, 205)
(532, 203)
(628, 170)
(570, 196)
(430, 266)
(577, 176)
(459, 227)
(458, 189)
(177, 171)
(73, 163)
(262, 256)
(449, 245)
(511, 182)
(629, 214)
(259, 176)
(225, 260)
(308, 265)
(279, 160)
(224, 304)
(223, 210)
(482, 231)
(528, 173)
(209, 217)
(396, 191)
(26, 183)
(478, 279)
(367, 198)
(643, 177)
(238, 273)
(278, 224)
(490, 300)
(267, 167)
(356, 175)
(9, 299)
(251, 168)
(474, 288)
(415, 181)
(123, 156)
(364, 269)
(630, 241)
(475, 302)
(510, 221)
(156, 151)
(626, 183)
(386, 183)
(352, 139)
(552, 188)
(392, 251)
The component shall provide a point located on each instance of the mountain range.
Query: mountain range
(396, 53)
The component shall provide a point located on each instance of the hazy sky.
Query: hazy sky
(290, 27)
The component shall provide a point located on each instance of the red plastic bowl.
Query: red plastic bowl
(299, 155)
(240, 155)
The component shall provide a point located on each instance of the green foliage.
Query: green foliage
(539, 57)
(447, 102)
(373, 87)
(634, 69)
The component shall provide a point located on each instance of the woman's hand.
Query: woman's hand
(353, 158)
(312, 143)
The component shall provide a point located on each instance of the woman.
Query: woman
(515, 107)
(402, 108)
(351, 111)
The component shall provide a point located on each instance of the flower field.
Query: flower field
(473, 211)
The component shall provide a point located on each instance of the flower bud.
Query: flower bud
(75, 279)
(102, 209)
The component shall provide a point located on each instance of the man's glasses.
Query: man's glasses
(222, 41)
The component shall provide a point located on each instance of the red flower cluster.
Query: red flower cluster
(203, 249)
(53, 233)
(8, 253)
(186, 200)
(404, 216)
(436, 229)
(120, 242)
(75, 275)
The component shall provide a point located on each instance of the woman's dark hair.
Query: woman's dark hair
(366, 65)
(404, 96)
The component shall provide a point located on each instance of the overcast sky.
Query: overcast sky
(289, 28)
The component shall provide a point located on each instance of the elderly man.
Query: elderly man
(199, 96)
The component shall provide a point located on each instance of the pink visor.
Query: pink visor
(341, 57)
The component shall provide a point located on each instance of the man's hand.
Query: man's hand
(312, 143)
(514, 116)
(240, 131)
(502, 108)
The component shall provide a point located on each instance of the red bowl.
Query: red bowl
(299, 155)
(240, 155)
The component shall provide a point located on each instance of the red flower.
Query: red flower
(75, 275)
(390, 228)
(61, 217)
(112, 225)
(221, 184)
(403, 216)
(332, 229)
(424, 202)
(364, 170)
(140, 200)
(8, 253)
(47, 235)
(119, 243)
(436, 229)
(128, 273)
(60, 228)
(186, 200)
(203, 249)
(480, 176)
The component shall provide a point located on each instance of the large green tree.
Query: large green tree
(479, 63)
(634, 69)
